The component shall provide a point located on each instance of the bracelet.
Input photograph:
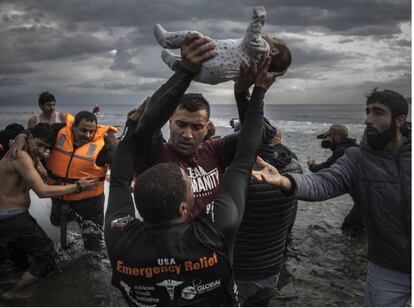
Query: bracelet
(78, 187)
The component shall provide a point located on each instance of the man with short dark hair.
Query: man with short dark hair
(378, 177)
(81, 148)
(49, 115)
(188, 116)
(19, 232)
(204, 161)
(169, 259)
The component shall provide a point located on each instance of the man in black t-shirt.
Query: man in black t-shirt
(169, 259)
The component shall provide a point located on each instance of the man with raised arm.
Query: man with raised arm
(18, 230)
(204, 161)
(170, 259)
(378, 177)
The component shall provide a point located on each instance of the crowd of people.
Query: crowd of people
(216, 212)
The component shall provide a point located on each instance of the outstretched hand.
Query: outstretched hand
(195, 50)
(269, 175)
(262, 77)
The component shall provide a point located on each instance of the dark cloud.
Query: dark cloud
(403, 43)
(353, 17)
(10, 82)
(15, 68)
(38, 33)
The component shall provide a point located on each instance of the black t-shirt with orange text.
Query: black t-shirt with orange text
(175, 265)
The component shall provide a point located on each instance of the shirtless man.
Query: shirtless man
(47, 104)
(19, 232)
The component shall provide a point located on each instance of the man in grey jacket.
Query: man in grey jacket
(378, 176)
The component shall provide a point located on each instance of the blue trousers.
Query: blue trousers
(386, 288)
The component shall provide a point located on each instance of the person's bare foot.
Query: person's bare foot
(24, 281)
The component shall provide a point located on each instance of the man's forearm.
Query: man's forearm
(242, 101)
(163, 104)
(50, 191)
(120, 201)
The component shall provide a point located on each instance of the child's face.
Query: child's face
(279, 63)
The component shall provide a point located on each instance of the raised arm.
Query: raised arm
(25, 167)
(229, 202)
(120, 203)
(194, 50)
(241, 90)
(325, 184)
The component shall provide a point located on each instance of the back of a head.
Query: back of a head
(5, 137)
(87, 115)
(211, 131)
(15, 127)
(339, 129)
(283, 59)
(159, 192)
(46, 97)
(393, 100)
(45, 132)
(194, 102)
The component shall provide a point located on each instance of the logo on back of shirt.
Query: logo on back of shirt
(170, 285)
(199, 287)
(203, 182)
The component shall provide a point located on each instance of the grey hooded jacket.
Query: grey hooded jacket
(381, 186)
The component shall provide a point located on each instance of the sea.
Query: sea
(322, 266)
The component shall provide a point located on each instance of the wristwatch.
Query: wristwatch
(78, 186)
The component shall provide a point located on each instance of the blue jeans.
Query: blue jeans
(386, 288)
(256, 293)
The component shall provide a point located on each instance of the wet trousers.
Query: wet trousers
(256, 293)
(386, 288)
(24, 242)
(88, 213)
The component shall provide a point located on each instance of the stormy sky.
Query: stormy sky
(104, 52)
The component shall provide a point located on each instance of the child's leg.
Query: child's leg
(171, 59)
(170, 40)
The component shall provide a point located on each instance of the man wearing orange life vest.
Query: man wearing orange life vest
(82, 149)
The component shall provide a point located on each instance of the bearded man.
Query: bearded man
(378, 177)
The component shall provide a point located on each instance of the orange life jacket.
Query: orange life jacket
(67, 165)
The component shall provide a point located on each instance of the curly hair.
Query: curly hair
(159, 192)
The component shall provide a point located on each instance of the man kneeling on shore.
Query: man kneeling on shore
(19, 231)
